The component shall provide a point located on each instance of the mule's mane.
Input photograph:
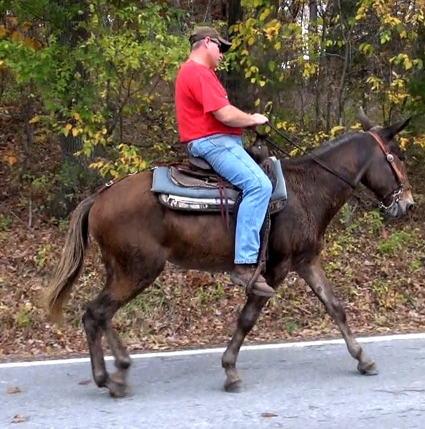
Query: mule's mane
(326, 147)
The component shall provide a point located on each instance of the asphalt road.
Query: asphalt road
(293, 387)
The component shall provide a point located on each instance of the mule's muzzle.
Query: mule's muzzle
(406, 202)
(399, 209)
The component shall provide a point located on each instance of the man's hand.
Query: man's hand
(259, 119)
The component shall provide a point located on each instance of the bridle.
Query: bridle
(395, 195)
(398, 192)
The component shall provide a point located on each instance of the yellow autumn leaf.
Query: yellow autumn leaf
(35, 119)
(269, 33)
(408, 64)
(265, 14)
(17, 36)
(335, 129)
(77, 116)
(75, 132)
(9, 156)
(356, 126)
(26, 25)
(3, 31)
(68, 126)
(404, 142)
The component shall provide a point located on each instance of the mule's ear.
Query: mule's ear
(398, 126)
(364, 120)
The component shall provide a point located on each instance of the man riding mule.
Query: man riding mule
(211, 127)
(137, 235)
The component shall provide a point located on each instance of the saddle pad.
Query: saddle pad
(162, 183)
(187, 203)
(213, 205)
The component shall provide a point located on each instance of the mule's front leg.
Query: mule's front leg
(316, 278)
(246, 321)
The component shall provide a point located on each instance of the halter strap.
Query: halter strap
(389, 156)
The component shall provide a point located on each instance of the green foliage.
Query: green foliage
(279, 56)
(90, 86)
(43, 254)
(394, 244)
(5, 222)
(415, 265)
(99, 64)
(372, 220)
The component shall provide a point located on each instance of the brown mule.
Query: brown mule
(137, 234)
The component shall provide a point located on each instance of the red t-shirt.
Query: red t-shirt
(198, 93)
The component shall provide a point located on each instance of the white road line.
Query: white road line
(397, 337)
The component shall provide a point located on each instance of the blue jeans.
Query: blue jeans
(226, 154)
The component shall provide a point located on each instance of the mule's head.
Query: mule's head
(387, 174)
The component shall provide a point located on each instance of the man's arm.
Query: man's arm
(233, 117)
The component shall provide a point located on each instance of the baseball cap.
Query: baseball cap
(200, 33)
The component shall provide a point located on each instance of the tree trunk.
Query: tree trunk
(234, 80)
(70, 37)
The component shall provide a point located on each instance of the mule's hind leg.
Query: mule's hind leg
(118, 380)
(94, 321)
(314, 275)
(120, 288)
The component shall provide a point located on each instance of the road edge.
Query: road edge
(191, 352)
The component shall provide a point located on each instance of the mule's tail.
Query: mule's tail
(71, 263)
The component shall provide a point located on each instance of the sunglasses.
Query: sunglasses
(217, 43)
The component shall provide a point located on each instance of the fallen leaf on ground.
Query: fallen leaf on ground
(19, 419)
(15, 389)
(268, 415)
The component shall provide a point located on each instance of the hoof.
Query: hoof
(233, 387)
(369, 368)
(118, 388)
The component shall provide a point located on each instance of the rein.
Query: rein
(396, 194)
(348, 182)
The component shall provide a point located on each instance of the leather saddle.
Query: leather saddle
(198, 173)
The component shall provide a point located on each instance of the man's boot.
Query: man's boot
(242, 274)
